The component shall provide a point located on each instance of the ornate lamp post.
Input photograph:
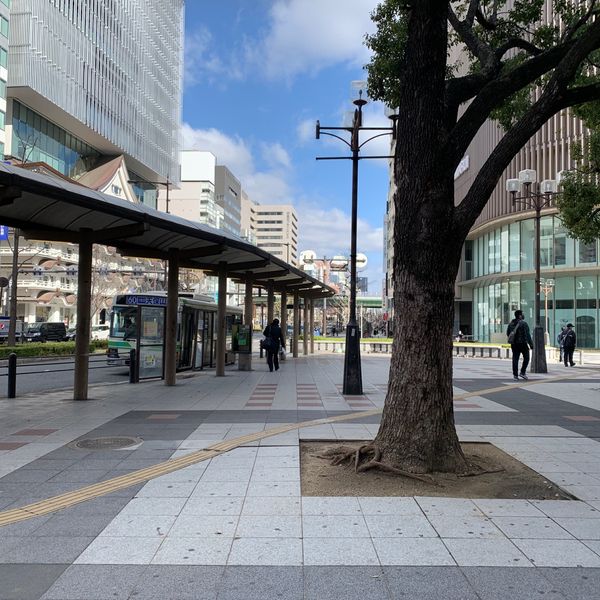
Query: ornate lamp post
(352, 368)
(534, 196)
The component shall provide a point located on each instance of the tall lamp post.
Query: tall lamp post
(352, 369)
(534, 196)
(547, 286)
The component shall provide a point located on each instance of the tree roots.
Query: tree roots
(368, 457)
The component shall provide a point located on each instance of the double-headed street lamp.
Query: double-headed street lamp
(352, 368)
(535, 197)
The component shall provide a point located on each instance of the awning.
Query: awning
(47, 208)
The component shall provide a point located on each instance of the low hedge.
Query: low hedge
(34, 349)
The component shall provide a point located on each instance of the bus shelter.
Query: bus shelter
(46, 208)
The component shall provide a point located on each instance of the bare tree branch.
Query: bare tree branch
(476, 46)
(517, 43)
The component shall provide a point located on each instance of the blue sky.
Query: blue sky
(258, 74)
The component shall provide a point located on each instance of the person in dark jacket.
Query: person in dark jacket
(559, 340)
(569, 343)
(274, 337)
(520, 344)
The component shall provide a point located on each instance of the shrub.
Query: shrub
(35, 349)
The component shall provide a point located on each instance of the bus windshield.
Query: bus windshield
(123, 322)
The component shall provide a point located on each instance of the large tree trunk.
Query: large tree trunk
(417, 431)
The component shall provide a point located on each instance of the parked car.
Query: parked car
(100, 332)
(45, 332)
(70, 337)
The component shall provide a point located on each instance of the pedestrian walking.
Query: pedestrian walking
(273, 339)
(520, 342)
(569, 343)
(560, 338)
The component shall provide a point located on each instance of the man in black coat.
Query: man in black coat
(569, 343)
(520, 342)
(274, 337)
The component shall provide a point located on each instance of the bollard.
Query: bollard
(132, 370)
(12, 375)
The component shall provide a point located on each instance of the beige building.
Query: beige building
(276, 230)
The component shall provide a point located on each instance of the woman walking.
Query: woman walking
(273, 338)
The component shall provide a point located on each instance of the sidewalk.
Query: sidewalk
(237, 525)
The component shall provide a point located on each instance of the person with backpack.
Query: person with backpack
(559, 340)
(569, 343)
(273, 338)
(520, 342)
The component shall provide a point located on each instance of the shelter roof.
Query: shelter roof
(48, 208)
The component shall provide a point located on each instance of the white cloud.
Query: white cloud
(306, 36)
(268, 186)
(306, 130)
(275, 155)
(301, 36)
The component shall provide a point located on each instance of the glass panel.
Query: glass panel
(150, 344)
(490, 252)
(564, 246)
(563, 305)
(526, 303)
(514, 262)
(587, 254)
(504, 252)
(546, 242)
(586, 322)
(527, 245)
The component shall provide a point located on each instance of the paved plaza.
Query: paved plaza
(237, 525)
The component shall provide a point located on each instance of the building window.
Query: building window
(3, 57)
(6, 3)
(4, 26)
(2, 119)
(2, 89)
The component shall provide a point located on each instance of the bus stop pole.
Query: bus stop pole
(171, 324)
(312, 326)
(270, 301)
(296, 325)
(306, 328)
(284, 316)
(82, 336)
(221, 310)
(245, 360)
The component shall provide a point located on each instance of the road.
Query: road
(54, 374)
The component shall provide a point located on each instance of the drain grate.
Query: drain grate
(106, 443)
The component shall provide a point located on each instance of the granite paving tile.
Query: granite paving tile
(343, 583)
(95, 582)
(42, 550)
(428, 583)
(193, 551)
(482, 552)
(120, 550)
(269, 527)
(128, 525)
(388, 526)
(412, 551)
(28, 581)
(533, 528)
(558, 553)
(339, 551)
(574, 583)
(500, 584)
(160, 582)
(262, 583)
(205, 526)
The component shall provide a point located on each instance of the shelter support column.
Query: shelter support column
(82, 337)
(311, 326)
(296, 325)
(171, 324)
(245, 360)
(284, 316)
(270, 302)
(221, 316)
(306, 331)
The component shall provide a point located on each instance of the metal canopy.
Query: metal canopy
(52, 209)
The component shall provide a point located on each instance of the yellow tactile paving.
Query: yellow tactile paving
(102, 488)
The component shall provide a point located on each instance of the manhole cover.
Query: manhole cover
(106, 443)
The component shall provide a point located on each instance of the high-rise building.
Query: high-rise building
(89, 90)
(91, 79)
(276, 229)
(228, 194)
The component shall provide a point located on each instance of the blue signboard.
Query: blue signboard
(146, 300)
(3, 232)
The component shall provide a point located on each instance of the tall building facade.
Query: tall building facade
(90, 90)
(95, 78)
(276, 229)
(228, 194)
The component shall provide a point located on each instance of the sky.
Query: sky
(258, 74)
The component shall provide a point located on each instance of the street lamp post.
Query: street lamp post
(546, 286)
(535, 197)
(352, 366)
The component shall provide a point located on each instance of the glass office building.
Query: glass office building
(502, 271)
(105, 74)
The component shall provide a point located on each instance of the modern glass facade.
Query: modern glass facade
(114, 66)
(504, 262)
(35, 139)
